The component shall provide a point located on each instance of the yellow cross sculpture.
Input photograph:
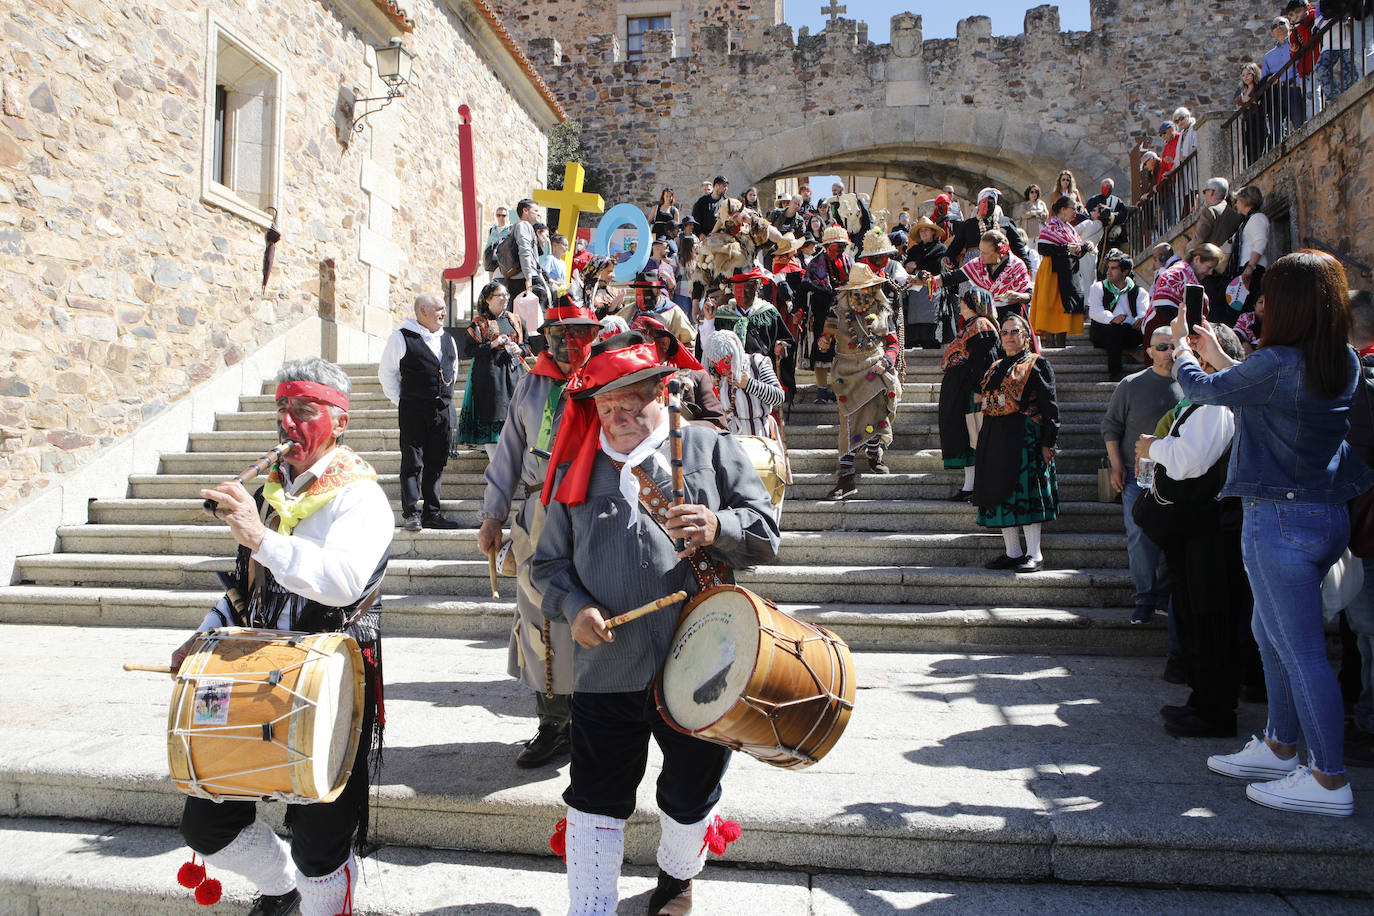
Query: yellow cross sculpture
(570, 202)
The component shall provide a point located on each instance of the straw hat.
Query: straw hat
(789, 244)
(834, 234)
(876, 242)
(863, 277)
(926, 222)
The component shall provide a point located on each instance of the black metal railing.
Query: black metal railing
(1164, 206)
(1333, 59)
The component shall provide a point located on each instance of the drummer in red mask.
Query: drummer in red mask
(313, 549)
(608, 547)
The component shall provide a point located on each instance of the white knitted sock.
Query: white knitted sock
(682, 847)
(596, 848)
(259, 855)
(1011, 537)
(968, 479)
(331, 894)
(1033, 541)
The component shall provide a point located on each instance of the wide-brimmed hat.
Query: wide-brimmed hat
(678, 355)
(789, 244)
(569, 315)
(876, 242)
(863, 277)
(926, 222)
(754, 274)
(649, 276)
(618, 362)
(834, 234)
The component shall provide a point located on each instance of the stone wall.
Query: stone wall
(124, 289)
(755, 101)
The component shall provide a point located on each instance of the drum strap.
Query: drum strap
(655, 504)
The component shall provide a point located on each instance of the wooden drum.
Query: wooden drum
(743, 674)
(266, 714)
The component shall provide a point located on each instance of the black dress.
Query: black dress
(965, 363)
(1013, 484)
(492, 376)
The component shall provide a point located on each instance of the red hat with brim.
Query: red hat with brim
(678, 355)
(754, 274)
(618, 362)
(568, 315)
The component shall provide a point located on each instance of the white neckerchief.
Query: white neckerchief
(629, 487)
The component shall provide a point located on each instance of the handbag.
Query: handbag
(1342, 584)
(1106, 493)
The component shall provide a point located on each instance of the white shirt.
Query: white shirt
(330, 555)
(1255, 237)
(1200, 443)
(389, 367)
(1098, 312)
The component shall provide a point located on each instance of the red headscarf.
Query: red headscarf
(679, 357)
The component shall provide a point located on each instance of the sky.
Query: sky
(938, 20)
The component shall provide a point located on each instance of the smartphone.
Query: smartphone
(1192, 304)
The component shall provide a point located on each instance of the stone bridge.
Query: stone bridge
(755, 102)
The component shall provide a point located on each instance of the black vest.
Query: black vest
(422, 375)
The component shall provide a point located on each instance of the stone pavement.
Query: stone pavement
(1012, 767)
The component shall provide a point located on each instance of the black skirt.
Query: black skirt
(956, 395)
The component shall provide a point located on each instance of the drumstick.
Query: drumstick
(491, 571)
(649, 608)
(156, 669)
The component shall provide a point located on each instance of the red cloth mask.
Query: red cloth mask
(722, 367)
(579, 348)
(1106, 190)
(309, 436)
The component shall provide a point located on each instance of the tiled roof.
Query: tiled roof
(397, 14)
(490, 15)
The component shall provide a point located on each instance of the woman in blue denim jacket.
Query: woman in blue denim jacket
(1294, 473)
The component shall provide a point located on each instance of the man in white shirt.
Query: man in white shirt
(418, 367)
(313, 548)
(1116, 310)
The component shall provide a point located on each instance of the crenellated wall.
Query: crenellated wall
(755, 101)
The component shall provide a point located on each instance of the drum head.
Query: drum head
(711, 660)
(334, 707)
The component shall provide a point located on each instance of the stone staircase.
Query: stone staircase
(1005, 728)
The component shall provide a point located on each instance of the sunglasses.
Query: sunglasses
(1162, 348)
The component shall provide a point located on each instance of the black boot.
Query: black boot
(875, 462)
(672, 897)
(845, 486)
(547, 744)
(279, 905)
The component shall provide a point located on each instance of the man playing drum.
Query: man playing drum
(313, 548)
(607, 547)
(540, 650)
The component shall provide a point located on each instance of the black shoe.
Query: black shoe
(823, 395)
(1175, 712)
(439, 521)
(279, 905)
(963, 496)
(672, 897)
(876, 465)
(1192, 725)
(547, 744)
(1029, 565)
(411, 522)
(845, 486)
(1174, 672)
(1003, 562)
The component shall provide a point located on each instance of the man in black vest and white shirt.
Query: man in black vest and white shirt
(417, 370)
(1116, 312)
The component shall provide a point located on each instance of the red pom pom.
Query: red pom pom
(559, 841)
(209, 892)
(191, 874)
(716, 843)
(721, 833)
(730, 830)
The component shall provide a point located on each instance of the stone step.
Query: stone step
(891, 585)
(798, 547)
(913, 392)
(908, 437)
(864, 626)
(471, 485)
(968, 766)
(227, 463)
(1073, 415)
(51, 870)
(798, 515)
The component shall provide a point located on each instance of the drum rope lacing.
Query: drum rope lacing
(770, 710)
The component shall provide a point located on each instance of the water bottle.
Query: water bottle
(1145, 473)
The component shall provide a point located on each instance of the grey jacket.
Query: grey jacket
(587, 555)
(514, 463)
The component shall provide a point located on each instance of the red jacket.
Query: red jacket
(1301, 35)
(1167, 162)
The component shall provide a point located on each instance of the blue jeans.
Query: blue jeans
(1149, 575)
(1360, 616)
(1327, 62)
(1288, 547)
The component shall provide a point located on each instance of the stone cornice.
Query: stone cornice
(510, 63)
(378, 21)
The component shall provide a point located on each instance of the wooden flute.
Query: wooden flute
(257, 468)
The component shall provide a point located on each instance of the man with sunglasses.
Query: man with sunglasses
(540, 651)
(1135, 408)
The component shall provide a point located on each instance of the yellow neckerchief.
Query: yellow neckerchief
(344, 468)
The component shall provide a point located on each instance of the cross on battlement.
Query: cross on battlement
(835, 10)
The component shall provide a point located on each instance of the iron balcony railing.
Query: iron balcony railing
(1163, 206)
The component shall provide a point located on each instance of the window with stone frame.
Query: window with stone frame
(241, 161)
(636, 26)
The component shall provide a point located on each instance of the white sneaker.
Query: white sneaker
(1300, 791)
(1254, 761)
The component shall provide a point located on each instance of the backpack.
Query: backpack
(489, 258)
(507, 256)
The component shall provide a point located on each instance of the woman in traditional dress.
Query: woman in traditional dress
(921, 314)
(1014, 485)
(1002, 274)
(1057, 307)
(865, 373)
(495, 347)
(965, 362)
